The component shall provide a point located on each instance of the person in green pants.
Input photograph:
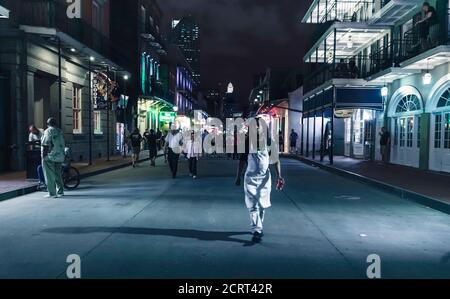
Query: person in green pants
(53, 145)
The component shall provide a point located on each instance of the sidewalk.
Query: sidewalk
(412, 183)
(15, 184)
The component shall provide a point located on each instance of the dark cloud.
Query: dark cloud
(243, 37)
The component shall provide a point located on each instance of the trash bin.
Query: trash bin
(33, 161)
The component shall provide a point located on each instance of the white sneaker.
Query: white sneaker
(49, 196)
(59, 195)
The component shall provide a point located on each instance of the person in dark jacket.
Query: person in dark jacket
(152, 141)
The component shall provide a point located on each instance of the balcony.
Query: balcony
(322, 11)
(412, 54)
(393, 11)
(51, 14)
(351, 71)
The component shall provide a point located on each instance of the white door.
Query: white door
(440, 142)
(406, 143)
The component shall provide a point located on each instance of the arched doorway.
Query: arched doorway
(440, 130)
(405, 114)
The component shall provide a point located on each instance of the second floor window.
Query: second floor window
(143, 18)
(76, 110)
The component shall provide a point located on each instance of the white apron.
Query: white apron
(258, 181)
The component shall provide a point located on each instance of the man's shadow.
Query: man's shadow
(180, 233)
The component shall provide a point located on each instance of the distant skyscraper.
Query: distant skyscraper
(186, 35)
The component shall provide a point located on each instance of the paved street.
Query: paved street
(139, 223)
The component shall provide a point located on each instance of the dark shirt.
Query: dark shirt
(385, 138)
(433, 19)
(136, 139)
(151, 140)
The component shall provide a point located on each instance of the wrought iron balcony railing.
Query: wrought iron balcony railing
(342, 11)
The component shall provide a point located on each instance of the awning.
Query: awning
(394, 11)
(68, 43)
(4, 13)
(157, 103)
(346, 98)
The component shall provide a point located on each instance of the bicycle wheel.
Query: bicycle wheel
(71, 178)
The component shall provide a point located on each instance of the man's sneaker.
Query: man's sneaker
(59, 195)
(49, 196)
(257, 237)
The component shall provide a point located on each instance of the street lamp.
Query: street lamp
(427, 78)
(175, 108)
(92, 58)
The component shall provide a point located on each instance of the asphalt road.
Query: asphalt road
(140, 223)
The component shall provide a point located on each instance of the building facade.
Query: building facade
(53, 66)
(186, 35)
(379, 65)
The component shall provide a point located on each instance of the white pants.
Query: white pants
(257, 218)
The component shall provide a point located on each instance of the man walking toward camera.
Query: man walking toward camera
(53, 145)
(174, 142)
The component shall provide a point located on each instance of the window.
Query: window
(410, 134)
(76, 110)
(419, 127)
(447, 131)
(402, 132)
(438, 131)
(98, 123)
(96, 17)
(143, 18)
(444, 101)
(409, 103)
(396, 132)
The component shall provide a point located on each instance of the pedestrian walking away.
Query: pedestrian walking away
(152, 141)
(136, 140)
(52, 151)
(174, 142)
(258, 182)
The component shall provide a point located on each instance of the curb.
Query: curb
(406, 194)
(32, 188)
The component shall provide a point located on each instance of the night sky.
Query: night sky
(241, 38)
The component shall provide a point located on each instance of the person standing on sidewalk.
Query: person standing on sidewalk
(258, 182)
(385, 142)
(293, 141)
(152, 142)
(52, 150)
(136, 140)
(193, 151)
(174, 142)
